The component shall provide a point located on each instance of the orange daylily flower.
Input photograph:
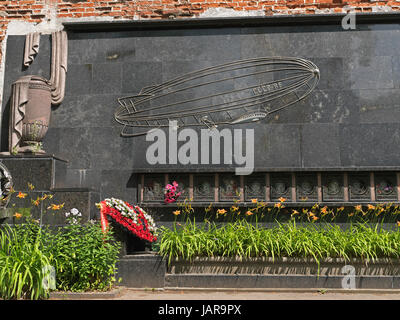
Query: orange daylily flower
(358, 208)
(253, 200)
(249, 213)
(398, 223)
(221, 211)
(282, 199)
(56, 206)
(235, 208)
(278, 205)
(176, 212)
(371, 207)
(315, 218)
(36, 202)
(21, 195)
(18, 215)
(324, 210)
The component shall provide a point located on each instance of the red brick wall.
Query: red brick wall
(37, 11)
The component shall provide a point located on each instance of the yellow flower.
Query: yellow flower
(295, 212)
(253, 200)
(358, 208)
(221, 211)
(282, 199)
(371, 207)
(18, 215)
(176, 212)
(398, 223)
(31, 186)
(249, 213)
(21, 195)
(235, 208)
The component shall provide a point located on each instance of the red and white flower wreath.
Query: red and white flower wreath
(133, 218)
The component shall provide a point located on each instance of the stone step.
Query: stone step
(45, 172)
(278, 281)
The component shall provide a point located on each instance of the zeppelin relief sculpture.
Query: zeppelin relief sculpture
(32, 96)
(236, 92)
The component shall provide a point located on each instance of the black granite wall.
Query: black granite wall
(352, 118)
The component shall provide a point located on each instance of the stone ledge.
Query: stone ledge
(284, 266)
(112, 294)
(277, 281)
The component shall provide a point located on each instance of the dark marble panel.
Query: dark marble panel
(102, 49)
(51, 141)
(320, 147)
(121, 184)
(152, 270)
(282, 146)
(369, 144)
(396, 70)
(83, 178)
(107, 78)
(379, 106)
(137, 75)
(321, 106)
(75, 146)
(369, 72)
(86, 111)
(204, 46)
(79, 79)
(39, 172)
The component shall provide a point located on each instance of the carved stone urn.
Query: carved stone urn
(37, 115)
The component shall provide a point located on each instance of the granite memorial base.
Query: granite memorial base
(47, 174)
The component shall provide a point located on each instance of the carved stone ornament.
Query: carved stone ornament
(32, 96)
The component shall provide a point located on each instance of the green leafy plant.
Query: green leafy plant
(22, 265)
(244, 239)
(85, 258)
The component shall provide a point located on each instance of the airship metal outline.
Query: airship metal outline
(299, 78)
